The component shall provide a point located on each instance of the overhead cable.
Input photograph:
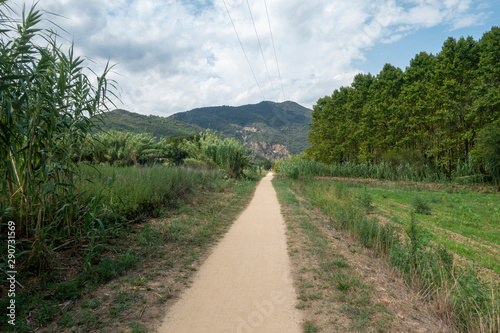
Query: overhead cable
(262, 52)
(274, 48)
(241, 44)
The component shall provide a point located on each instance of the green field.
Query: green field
(465, 221)
(443, 239)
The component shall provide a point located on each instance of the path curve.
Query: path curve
(245, 285)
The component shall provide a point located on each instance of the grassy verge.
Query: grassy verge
(119, 276)
(333, 293)
(458, 292)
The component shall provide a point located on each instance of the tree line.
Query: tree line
(440, 111)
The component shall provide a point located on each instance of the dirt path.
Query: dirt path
(245, 285)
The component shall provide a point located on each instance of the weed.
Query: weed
(137, 328)
(420, 206)
(340, 263)
(123, 302)
(89, 320)
(46, 310)
(309, 327)
(300, 305)
(91, 304)
(66, 320)
(365, 201)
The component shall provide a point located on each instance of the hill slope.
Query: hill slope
(271, 130)
(161, 127)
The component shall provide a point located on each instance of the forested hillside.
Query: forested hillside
(271, 130)
(441, 109)
(159, 127)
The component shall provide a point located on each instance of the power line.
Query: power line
(274, 48)
(241, 44)
(261, 51)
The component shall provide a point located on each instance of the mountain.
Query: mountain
(271, 130)
(161, 127)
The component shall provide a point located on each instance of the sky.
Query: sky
(175, 55)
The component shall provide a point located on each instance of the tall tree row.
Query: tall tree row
(432, 113)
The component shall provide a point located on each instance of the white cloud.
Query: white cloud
(175, 55)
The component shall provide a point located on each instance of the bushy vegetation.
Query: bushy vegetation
(48, 106)
(124, 149)
(300, 167)
(460, 293)
(206, 150)
(214, 150)
(432, 115)
(126, 193)
(48, 113)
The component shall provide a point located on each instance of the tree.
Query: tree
(487, 150)
(267, 164)
(429, 114)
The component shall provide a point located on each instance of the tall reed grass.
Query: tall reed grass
(47, 107)
(296, 167)
(131, 192)
(213, 149)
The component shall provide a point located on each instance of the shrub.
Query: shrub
(365, 200)
(421, 206)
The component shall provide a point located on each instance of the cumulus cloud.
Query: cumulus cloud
(174, 55)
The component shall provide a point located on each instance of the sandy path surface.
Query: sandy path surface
(245, 285)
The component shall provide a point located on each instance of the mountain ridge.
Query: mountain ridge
(271, 130)
(160, 127)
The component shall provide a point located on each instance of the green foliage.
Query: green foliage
(267, 164)
(227, 154)
(297, 166)
(205, 151)
(488, 149)
(193, 163)
(132, 192)
(420, 205)
(428, 116)
(124, 149)
(159, 127)
(471, 302)
(309, 327)
(48, 105)
(365, 201)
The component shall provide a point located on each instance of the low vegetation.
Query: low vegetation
(121, 270)
(332, 292)
(418, 230)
